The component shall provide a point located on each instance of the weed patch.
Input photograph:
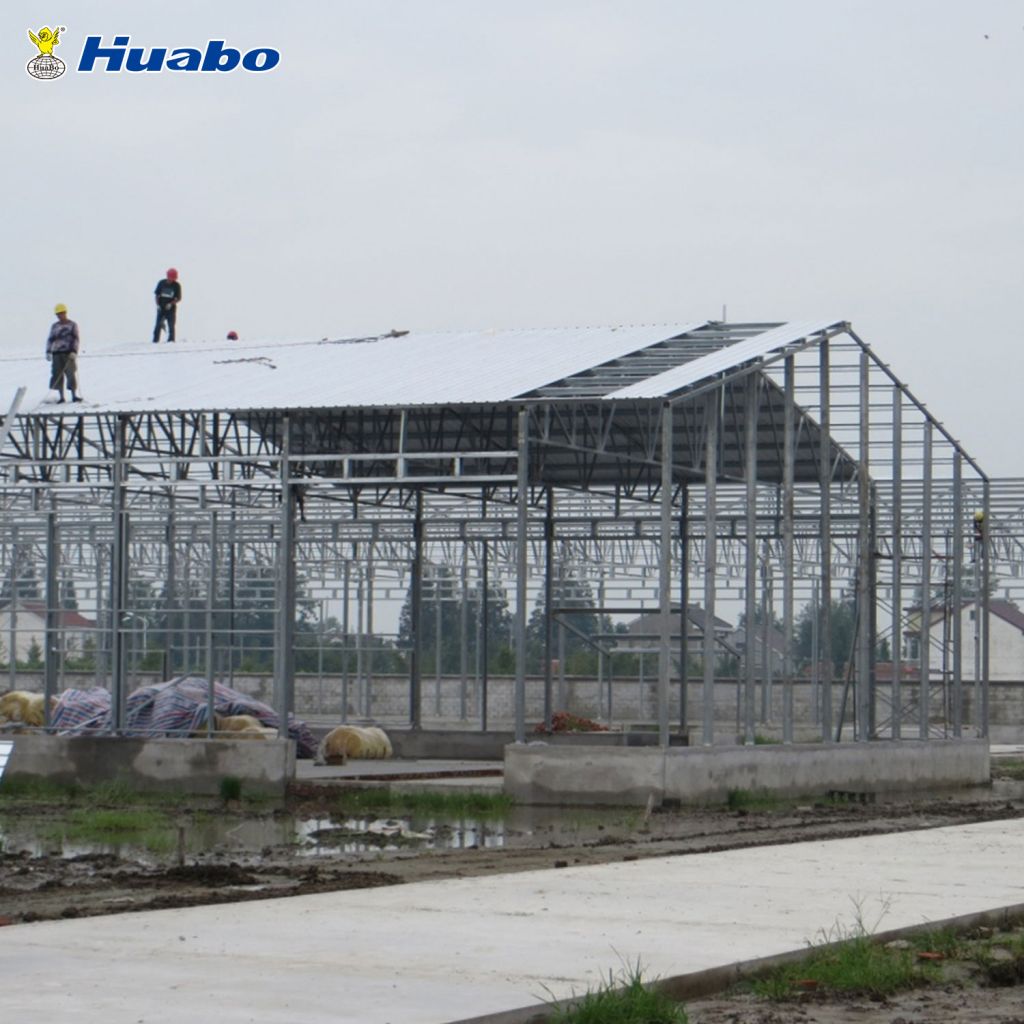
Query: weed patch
(623, 999)
(385, 801)
(752, 800)
(150, 829)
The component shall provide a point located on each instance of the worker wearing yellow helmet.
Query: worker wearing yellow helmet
(62, 351)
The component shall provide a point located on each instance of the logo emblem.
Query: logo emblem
(45, 65)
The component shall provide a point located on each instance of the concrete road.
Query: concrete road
(438, 952)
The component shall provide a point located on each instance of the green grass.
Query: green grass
(1007, 769)
(858, 965)
(230, 788)
(149, 828)
(947, 941)
(753, 800)
(37, 791)
(377, 801)
(15, 793)
(621, 1000)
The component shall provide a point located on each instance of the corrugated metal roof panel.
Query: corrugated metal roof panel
(674, 380)
(419, 368)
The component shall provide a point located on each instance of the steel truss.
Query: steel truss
(807, 472)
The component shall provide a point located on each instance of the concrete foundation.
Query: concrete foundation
(538, 773)
(462, 745)
(192, 766)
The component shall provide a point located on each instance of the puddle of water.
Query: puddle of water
(326, 836)
(519, 827)
(330, 836)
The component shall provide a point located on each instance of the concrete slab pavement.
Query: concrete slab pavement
(439, 952)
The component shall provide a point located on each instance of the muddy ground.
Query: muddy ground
(38, 885)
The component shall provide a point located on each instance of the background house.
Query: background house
(25, 629)
(643, 635)
(1006, 639)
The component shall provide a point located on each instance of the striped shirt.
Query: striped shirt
(63, 337)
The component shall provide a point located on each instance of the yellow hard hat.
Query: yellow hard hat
(60, 308)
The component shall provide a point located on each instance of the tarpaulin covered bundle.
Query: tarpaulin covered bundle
(178, 707)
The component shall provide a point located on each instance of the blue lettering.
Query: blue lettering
(216, 55)
(93, 51)
(155, 62)
(184, 59)
(251, 61)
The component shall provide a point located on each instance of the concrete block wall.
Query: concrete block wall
(193, 766)
(540, 773)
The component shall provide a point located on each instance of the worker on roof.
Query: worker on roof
(62, 351)
(168, 295)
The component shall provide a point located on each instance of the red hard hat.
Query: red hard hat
(172, 274)
(232, 336)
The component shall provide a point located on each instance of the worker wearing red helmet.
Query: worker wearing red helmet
(168, 295)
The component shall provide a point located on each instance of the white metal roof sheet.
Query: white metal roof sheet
(419, 368)
(760, 345)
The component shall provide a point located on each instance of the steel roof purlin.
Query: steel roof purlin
(709, 370)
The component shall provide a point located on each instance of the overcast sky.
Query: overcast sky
(483, 163)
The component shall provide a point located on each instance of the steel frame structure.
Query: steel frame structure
(804, 462)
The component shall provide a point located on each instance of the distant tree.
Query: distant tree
(843, 632)
(68, 595)
(581, 656)
(26, 585)
(34, 656)
(843, 625)
(499, 623)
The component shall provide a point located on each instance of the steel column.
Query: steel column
(118, 578)
(285, 660)
(522, 501)
(416, 613)
(864, 559)
(788, 501)
(958, 595)
(825, 593)
(897, 564)
(924, 632)
(665, 575)
(711, 405)
(750, 547)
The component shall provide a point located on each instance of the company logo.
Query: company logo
(214, 56)
(45, 65)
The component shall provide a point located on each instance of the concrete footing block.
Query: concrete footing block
(190, 766)
(537, 773)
